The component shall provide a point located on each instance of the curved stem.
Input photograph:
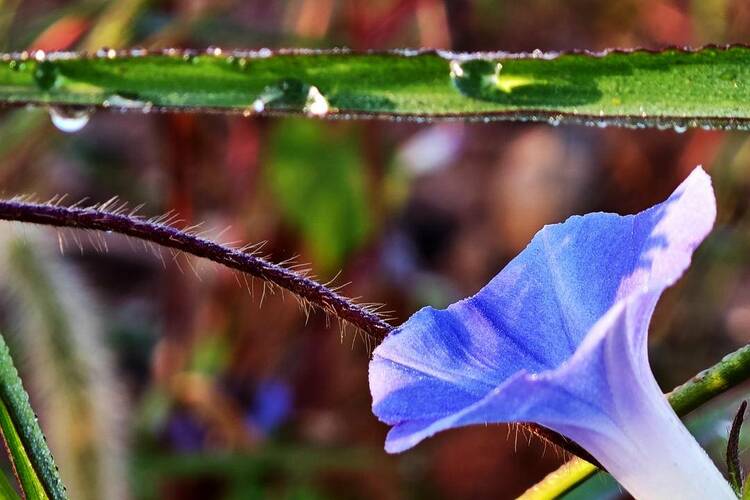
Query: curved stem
(171, 237)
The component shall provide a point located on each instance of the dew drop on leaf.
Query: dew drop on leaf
(69, 119)
(125, 102)
(316, 103)
(680, 127)
(106, 53)
(259, 106)
(482, 79)
(456, 69)
(286, 94)
(45, 74)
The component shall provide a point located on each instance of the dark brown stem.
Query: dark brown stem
(171, 237)
(734, 466)
(96, 219)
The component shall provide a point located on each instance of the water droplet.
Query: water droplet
(456, 70)
(316, 103)
(237, 62)
(407, 52)
(680, 128)
(45, 74)
(481, 79)
(554, 120)
(129, 101)
(287, 94)
(601, 124)
(259, 106)
(106, 52)
(213, 51)
(537, 54)
(40, 55)
(69, 119)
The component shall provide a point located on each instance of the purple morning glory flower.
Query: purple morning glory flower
(558, 337)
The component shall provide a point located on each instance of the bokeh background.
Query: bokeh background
(159, 376)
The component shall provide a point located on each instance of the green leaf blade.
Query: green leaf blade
(680, 88)
(32, 459)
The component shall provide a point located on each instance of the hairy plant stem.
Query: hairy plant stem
(171, 237)
(316, 293)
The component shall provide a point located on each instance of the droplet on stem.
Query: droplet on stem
(259, 105)
(288, 94)
(45, 74)
(316, 103)
(456, 70)
(69, 119)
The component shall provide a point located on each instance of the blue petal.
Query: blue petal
(506, 354)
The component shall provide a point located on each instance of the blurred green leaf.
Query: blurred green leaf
(245, 470)
(639, 88)
(114, 25)
(31, 457)
(210, 354)
(7, 492)
(316, 176)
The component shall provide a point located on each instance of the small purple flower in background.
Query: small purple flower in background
(271, 406)
(558, 337)
(185, 432)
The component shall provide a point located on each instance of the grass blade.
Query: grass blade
(669, 88)
(30, 484)
(24, 440)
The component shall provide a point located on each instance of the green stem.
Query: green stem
(635, 88)
(732, 370)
